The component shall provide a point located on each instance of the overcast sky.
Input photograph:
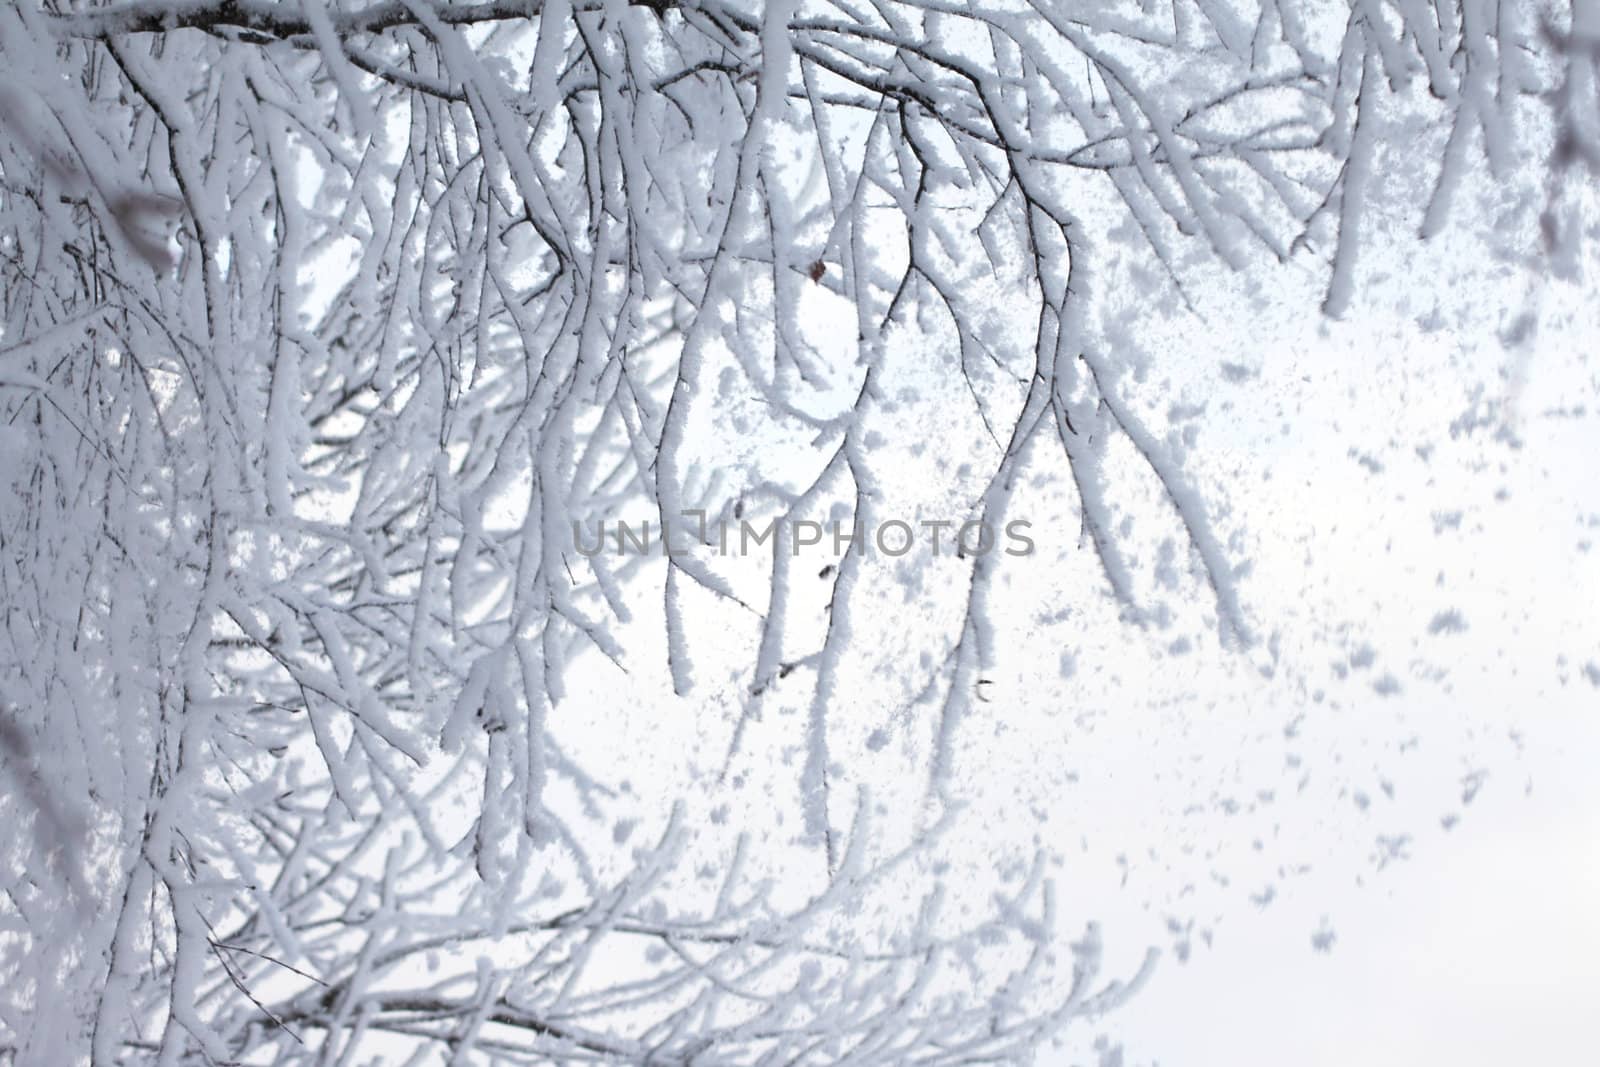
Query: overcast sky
(1390, 502)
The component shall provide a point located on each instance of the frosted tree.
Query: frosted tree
(325, 324)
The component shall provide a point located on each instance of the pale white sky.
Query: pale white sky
(1483, 948)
